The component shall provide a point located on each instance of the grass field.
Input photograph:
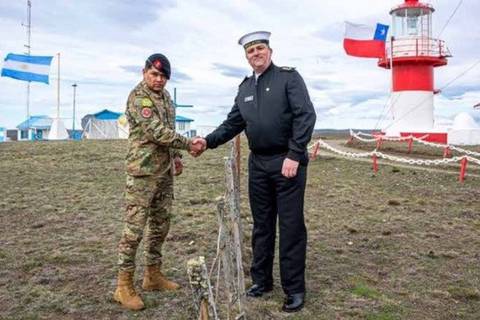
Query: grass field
(401, 244)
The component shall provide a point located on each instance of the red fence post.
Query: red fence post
(410, 143)
(350, 140)
(314, 154)
(446, 152)
(463, 169)
(375, 163)
(379, 142)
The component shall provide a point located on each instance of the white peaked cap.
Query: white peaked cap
(257, 36)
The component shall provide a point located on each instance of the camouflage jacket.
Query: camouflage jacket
(152, 139)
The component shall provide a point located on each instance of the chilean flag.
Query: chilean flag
(364, 41)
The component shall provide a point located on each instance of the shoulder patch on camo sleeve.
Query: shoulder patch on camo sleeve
(146, 102)
(146, 112)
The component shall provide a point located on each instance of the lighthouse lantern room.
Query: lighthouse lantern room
(412, 56)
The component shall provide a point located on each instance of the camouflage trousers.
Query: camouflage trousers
(148, 209)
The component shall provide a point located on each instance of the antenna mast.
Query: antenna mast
(28, 47)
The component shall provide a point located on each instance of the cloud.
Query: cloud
(323, 84)
(457, 91)
(104, 44)
(13, 10)
(132, 69)
(231, 71)
(133, 13)
(333, 32)
(178, 76)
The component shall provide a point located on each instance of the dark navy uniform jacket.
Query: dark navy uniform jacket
(276, 113)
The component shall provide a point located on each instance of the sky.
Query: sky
(103, 46)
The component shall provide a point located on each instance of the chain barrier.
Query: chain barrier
(342, 153)
(357, 136)
(472, 159)
(419, 140)
(410, 161)
(420, 162)
(385, 138)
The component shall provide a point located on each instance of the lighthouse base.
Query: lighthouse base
(436, 137)
(431, 135)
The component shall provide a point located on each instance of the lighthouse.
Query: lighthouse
(412, 57)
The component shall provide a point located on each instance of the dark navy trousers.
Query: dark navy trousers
(272, 195)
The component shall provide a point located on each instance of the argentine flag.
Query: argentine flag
(27, 68)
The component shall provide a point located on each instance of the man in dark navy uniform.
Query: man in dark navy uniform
(274, 109)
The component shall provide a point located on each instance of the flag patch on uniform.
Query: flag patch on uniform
(249, 98)
(147, 102)
(146, 112)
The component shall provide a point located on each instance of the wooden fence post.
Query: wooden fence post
(232, 196)
(230, 246)
(201, 288)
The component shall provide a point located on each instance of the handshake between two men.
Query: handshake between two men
(197, 146)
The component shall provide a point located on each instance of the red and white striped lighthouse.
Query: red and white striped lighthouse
(413, 55)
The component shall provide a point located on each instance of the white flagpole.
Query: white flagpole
(392, 101)
(391, 63)
(58, 130)
(58, 87)
(28, 47)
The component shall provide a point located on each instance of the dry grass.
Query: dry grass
(402, 244)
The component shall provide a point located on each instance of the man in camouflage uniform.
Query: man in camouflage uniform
(152, 161)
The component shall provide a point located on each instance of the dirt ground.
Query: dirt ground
(400, 244)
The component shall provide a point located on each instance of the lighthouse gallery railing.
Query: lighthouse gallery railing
(418, 47)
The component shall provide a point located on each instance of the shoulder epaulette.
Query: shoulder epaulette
(245, 79)
(287, 69)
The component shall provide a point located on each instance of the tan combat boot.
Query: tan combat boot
(125, 293)
(155, 280)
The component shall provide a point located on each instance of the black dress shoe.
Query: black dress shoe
(257, 290)
(294, 302)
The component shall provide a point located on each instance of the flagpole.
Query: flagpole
(28, 46)
(391, 63)
(58, 87)
(73, 117)
(392, 101)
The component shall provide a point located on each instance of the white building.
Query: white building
(34, 128)
(183, 126)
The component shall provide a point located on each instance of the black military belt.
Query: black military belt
(270, 151)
